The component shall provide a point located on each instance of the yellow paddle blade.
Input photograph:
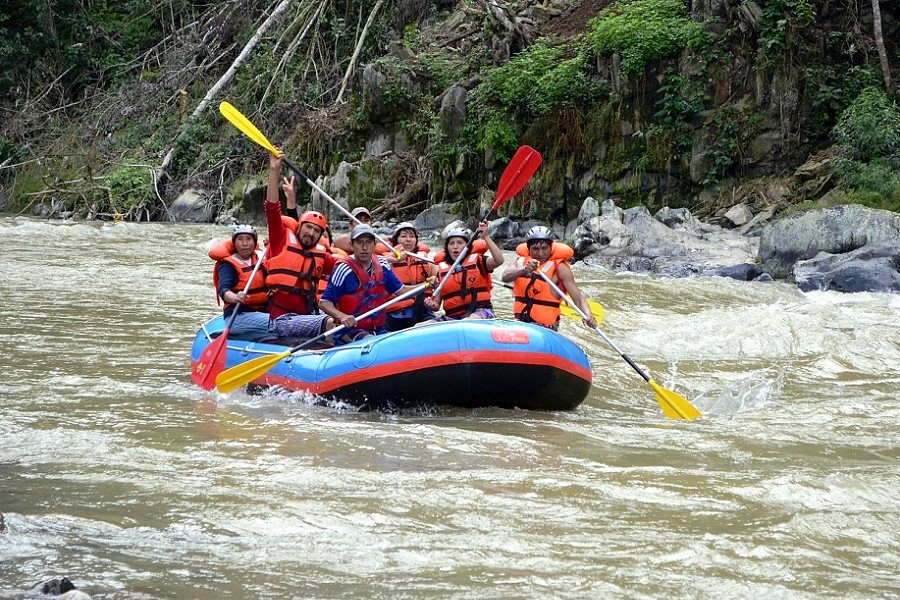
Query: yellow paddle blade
(596, 310)
(246, 127)
(235, 377)
(675, 406)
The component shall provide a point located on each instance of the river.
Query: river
(117, 472)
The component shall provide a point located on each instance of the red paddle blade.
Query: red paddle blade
(211, 362)
(521, 167)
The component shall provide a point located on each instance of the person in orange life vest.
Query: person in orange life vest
(410, 271)
(343, 241)
(534, 300)
(231, 276)
(296, 263)
(467, 295)
(358, 284)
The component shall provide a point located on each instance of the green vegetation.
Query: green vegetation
(868, 136)
(92, 91)
(642, 31)
(780, 28)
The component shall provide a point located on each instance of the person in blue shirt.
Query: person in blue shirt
(359, 283)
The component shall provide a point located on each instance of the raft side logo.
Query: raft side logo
(510, 336)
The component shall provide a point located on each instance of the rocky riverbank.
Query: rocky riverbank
(846, 248)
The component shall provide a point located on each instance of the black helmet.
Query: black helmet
(539, 232)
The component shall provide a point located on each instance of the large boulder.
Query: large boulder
(633, 240)
(872, 268)
(194, 206)
(834, 230)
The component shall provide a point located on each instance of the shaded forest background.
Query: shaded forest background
(109, 107)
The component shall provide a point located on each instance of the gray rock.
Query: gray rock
(453, 111)
(741, 272)
(193, 206)
(673, 217)
(503, 228)
(609, 209)
(834, 230)
(872, 268)
(52, 587)
(434, 217)
(739, 214)
(758, 220)
(639, 242)
(589, 208)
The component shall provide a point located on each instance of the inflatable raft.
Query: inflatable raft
(471, 364)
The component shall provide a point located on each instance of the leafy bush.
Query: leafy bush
(868, 136)
(870, 127)
(643, 31)
(781, 21)
(544, 78)
(129, 187)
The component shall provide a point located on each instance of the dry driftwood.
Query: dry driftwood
(409, 198)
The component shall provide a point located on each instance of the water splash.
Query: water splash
(749, 393)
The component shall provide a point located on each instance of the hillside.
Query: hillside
(110, 108)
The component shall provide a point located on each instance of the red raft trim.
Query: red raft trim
(426, 362)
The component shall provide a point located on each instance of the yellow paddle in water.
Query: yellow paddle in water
(568, 311)
(235, 377)
(674, 406)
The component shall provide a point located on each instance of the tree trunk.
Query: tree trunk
(225, 79)
(882, 53)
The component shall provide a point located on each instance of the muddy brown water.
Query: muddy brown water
(118, 473)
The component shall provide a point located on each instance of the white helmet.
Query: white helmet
(463, 233)
(539, 232)
(248, 229)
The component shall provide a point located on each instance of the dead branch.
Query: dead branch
(356, 51)
(408, 198)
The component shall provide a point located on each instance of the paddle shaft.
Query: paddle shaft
(674, 405)
(575, 307)
(245, 126)
(335, 203)
(416, 290)
(520, 169)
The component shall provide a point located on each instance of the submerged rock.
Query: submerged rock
(872, 268)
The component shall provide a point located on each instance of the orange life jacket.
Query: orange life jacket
(295, 272)
(370, 293)
(534, 301)
(468, 288)
(411, 272)
(256, 296)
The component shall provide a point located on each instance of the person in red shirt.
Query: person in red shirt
(296, 263)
